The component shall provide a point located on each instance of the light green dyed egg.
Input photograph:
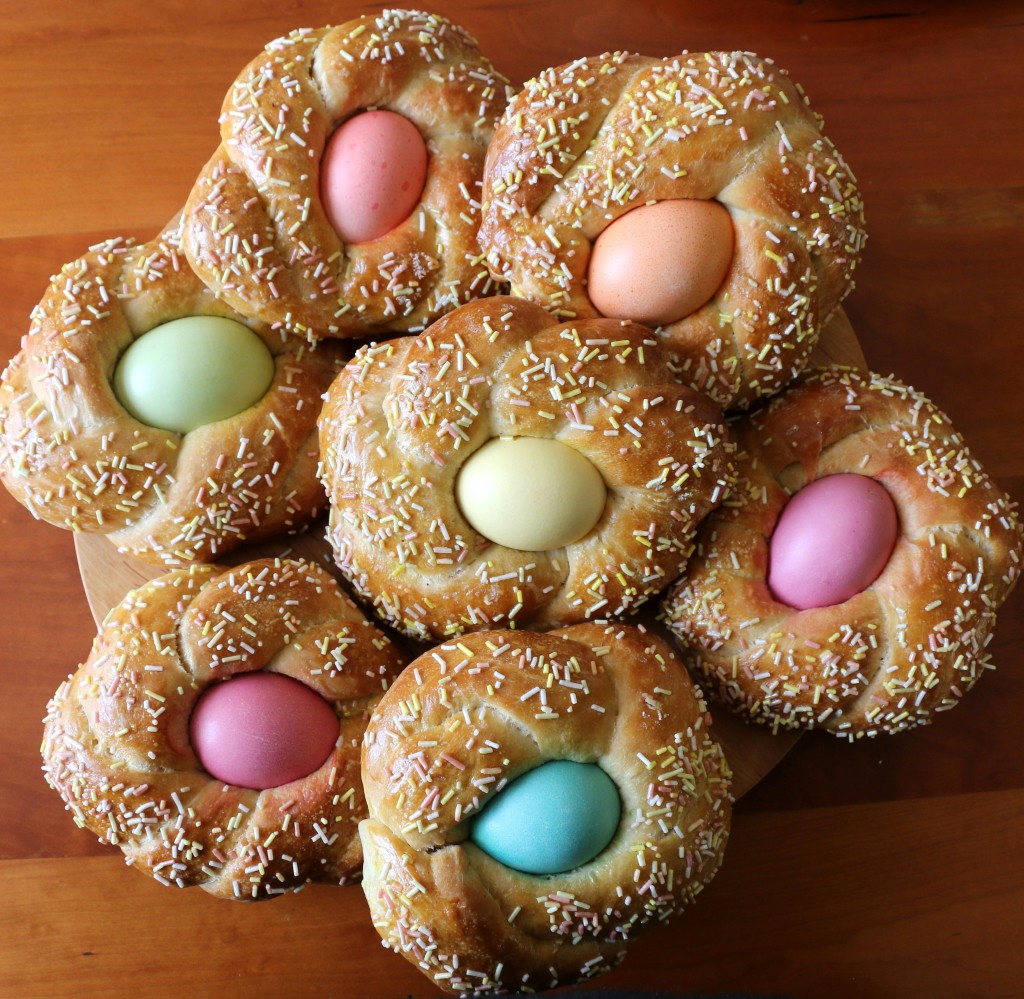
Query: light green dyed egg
(554, 818)
(193, 371)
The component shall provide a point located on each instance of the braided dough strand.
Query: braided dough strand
(257, 231)
(404, 416)
(116, 742)
(586, 142)
(73, 455)
(467, 718)
(911, 644)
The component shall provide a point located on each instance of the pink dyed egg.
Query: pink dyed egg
(262, 730)
(658, 263)
(372, 174)
(832, 541)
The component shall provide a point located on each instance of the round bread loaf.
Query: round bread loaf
(468, 718)
(76, 457)
(912, 643)
(256, 228)
(406, 417)
(117, 740)
(587, 142)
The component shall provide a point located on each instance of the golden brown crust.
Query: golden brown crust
(912, 643)
(466, 718)
(73, 455)
(116, 743)
(586, 142)
(403, 417)
(257, 231)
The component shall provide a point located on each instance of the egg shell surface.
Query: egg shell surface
(530, 493)
(261, 730)
(659, 263)
(193, 371)
(554, 818)
(832, 540)
(372, 174)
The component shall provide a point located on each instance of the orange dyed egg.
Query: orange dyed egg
(659, 263)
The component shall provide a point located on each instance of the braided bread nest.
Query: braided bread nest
(404, 416)
(75, 457)
(586, 142)
(256, 228)
(117, 748)
(912, 643)
(470, 716)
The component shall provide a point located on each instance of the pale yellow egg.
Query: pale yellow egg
(530, 493)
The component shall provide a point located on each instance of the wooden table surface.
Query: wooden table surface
(888, 868)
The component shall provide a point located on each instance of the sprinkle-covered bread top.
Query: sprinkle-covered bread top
(471, 715)
(73, 455)
(256, 228)
(912, 643)
(404, 416)
(116, 742)
(588, 141)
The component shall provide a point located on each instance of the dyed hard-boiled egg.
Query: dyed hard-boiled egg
(833, 539)
(659, 263)
(262, 730)
(193, 371)
(554, 818)
(530, 493)
(372, 174)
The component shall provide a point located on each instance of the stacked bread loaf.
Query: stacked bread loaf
(547, 358)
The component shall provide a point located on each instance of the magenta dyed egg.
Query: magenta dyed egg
(833, 539)
(372, 174)
(262, 730)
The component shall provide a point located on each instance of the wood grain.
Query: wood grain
(887, 868)
(852, 930)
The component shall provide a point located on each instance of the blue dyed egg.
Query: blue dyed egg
(555, 818)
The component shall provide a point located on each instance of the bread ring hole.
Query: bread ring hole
(189, 372)
(530, 493)
(793, 477)
(832, 541)
(552, 819)
(372, 174)
(661, 262)
(261, 730)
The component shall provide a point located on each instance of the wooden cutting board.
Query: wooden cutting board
(752, 751)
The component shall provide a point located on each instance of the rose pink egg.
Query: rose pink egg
(833, 539)
(659, 263)
(372, 174)
(262, 730)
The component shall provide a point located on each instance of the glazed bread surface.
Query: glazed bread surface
(911, 644)
(75, 457)
(586, 142)
(256, 228)
(468, 717)
(117, 748)
(404, 416)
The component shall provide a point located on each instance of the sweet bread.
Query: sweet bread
(258, 231)
(502, 469)
(73, 453)
(694, 193)
(120, 734)
(843, 636)
(472, 722)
